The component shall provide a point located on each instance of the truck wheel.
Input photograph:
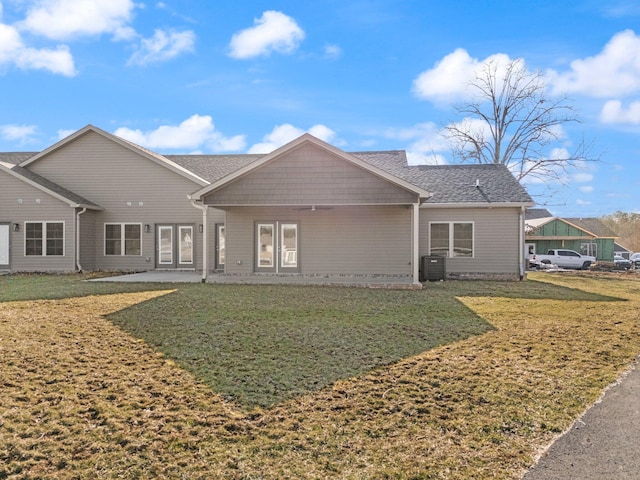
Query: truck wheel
(586, 265)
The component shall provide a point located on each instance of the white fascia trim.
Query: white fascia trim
(303, 205)
(308, 138)
(476, 205)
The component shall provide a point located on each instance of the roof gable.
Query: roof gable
(155, 157)
(592, 227)
(309, 140)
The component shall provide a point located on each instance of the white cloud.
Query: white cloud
(560, 153)
(449, 80)
(283, 134)
(548, 174)
(163, 46)
(583, 202)
(67, 19)
(332, 52)
(21, 133)
(65, 133)
(195, 132)
(14, 52)
(273, 32)
(426, 143)
(614, 112)
(586, 189)
(583, 177)
(417, 158)
(613, 72)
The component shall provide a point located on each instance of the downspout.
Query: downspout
(521, 242)
(205, 239)
(78, 266)
(415, 243)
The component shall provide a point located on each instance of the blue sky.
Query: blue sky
(244, 76)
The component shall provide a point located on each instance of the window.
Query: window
(590, 249)
(123, 239)
(44, 238)
(451, 239)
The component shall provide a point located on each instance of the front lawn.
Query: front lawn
(459, 380)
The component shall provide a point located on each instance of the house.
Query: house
(588, 236)
(94, 201)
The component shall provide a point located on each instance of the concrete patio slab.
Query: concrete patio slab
(162, 276)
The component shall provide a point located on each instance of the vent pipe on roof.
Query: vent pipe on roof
(477, 183)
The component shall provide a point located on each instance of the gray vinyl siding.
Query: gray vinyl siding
(310, 176)
(496, 238)
(35, 206)
(130, 188)
(364, 240)
(214, 216)
(88, 241)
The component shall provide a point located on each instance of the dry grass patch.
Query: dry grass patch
(82, 399)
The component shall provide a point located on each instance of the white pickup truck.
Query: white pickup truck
(562, 258)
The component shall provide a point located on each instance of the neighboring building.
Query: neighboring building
(588, 236)
(624, 252)
(94, 201)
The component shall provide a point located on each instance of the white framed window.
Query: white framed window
(44, 239)
(123, 239)
(451, 239)
(590, 249)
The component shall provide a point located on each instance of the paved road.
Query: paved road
(604, 444)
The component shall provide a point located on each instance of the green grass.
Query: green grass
(83, 398)
(34, 286)
(259, 345)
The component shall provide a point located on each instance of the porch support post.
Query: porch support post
(205, 244)
(205, 238)
(415, 243)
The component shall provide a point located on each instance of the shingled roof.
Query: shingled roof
(534, 213)
(484, 183)
(592, 225)
(448, 184)
(470, 184)
(214, 167)
(14, 158)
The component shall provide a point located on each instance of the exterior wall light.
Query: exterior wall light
(16, 227)
(147, 228)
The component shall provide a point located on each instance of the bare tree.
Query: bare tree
(627, 226)
(509, 120)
